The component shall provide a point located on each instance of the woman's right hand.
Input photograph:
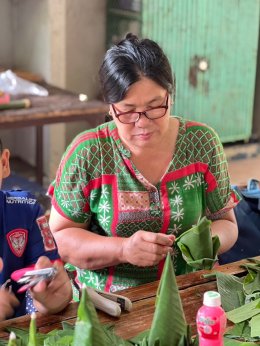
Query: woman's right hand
(146, 249)
(8, 302)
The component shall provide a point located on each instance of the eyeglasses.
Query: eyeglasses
(133, 117)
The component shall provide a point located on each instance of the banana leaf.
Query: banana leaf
(169, 324)
(244, 312)
(255, 326)
(228, 342)
(241, 331)
(60, 338)
(252, 283)
(231, 290)
(88, 330)
(32, 331)
(12, 340)
(198, 247)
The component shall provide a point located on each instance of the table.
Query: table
(129, 324)
(60, 106)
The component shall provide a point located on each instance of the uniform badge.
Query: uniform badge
(48, 240)
(17, 240)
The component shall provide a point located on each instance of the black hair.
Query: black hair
(1, 146)
(128, 61)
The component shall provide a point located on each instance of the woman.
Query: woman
(124, 190)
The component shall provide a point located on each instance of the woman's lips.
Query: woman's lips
(144, 136)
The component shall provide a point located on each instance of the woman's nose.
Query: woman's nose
(143, 120)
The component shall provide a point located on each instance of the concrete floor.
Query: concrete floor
(242, 170)
(244, 162)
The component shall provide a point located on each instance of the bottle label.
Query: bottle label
(208, 326)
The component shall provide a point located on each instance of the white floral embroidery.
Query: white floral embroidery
(90, 277)
(65, 203)
(175, 229)
(188, 183)
(93, 194)
(178, 215)
(75, 212)
(174, 188)
(177, 200)
(199, 180)
(104, 220)
(105, 192)
(104, 207)
(99, 283)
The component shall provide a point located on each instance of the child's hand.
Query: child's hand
(8, 302)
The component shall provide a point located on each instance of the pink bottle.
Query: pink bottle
(211, 320)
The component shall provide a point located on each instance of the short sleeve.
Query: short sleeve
(70, 196)
(40, 238)
(220, 197)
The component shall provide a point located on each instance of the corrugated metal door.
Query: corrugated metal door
(212, 46)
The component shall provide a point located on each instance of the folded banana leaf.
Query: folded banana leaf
(169, 326)
(199, 249)
(12, 340)
(32, 331)
(169, 315)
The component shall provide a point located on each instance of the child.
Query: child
(26, 240)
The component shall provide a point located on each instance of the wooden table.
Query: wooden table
(129, 324)
(60, 106)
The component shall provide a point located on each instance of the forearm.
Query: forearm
(227, 232)
(87, 250)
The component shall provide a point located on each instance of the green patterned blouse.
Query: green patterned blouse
(97, 183)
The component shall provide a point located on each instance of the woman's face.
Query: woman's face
(142, 96)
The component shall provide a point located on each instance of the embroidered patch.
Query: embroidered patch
(48, 240)
(17, 240)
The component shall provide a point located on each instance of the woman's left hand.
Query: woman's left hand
(52, 296)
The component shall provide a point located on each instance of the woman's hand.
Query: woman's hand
(52, 296)
(8, 302)
(146, 249)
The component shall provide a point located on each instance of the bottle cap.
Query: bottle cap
(212, 298)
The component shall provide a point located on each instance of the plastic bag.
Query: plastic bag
(12, 84)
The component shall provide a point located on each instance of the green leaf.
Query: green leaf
(255, 326)
(88, 330)
(168, 324)
(244, 312)
(252, 282)
(60, 338)
(198, 247)
(12, 339)
(32, 331)
(230, 288)
(67, 326)
(21, 334)
(228, 342)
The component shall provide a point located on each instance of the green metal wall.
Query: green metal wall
(221, 36)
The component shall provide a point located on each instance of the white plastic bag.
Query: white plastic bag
(12, 84)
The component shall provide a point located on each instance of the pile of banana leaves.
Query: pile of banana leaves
(168, 327)
(241, 300)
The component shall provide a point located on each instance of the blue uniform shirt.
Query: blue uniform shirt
(25, 236)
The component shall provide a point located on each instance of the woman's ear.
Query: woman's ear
(110, 111)
(5, 163)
